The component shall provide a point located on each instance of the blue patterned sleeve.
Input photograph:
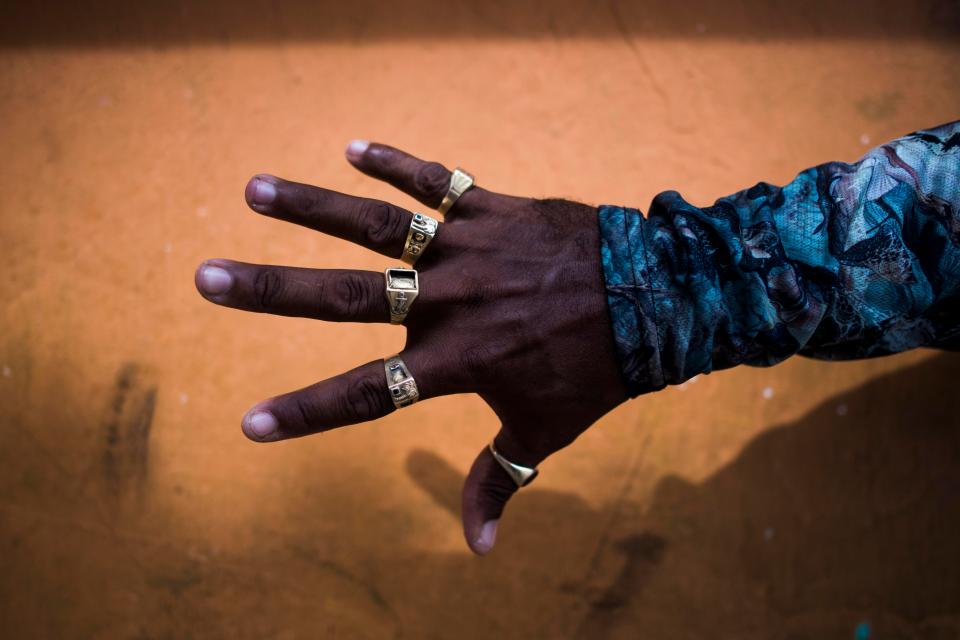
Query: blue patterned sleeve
(846, 261)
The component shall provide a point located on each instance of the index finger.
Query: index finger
(359, 395)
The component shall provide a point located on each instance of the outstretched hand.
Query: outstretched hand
(511, 307)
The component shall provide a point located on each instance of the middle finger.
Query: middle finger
(340, 295)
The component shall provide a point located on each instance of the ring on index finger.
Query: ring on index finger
(400, 382)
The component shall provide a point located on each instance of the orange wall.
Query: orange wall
(133, 507)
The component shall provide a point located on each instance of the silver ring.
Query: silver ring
(402, 288)
(422, 231)
(518, 473)
(460, 181)
(402, 386)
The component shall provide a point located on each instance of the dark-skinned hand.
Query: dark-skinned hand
(511, 307)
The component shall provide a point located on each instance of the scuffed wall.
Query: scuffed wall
(807, 500)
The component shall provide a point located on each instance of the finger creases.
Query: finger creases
(353, 397)
(424, 180)
(485, 494)
(359, 395)
(339, 295)
(374, 224)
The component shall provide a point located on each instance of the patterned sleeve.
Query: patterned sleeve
(847, 261)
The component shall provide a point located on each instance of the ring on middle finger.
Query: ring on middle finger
(402, 288)
(422, 230)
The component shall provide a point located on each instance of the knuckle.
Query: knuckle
(430, 180)
(364, 400)
(469, 293)
(476, 363)
(495, 491)
(378, 223)
(351, 298)
(268, 287)
(305, 411)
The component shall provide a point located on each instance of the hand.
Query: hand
(511, 306)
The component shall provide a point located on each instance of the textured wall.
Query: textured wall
(800, 501)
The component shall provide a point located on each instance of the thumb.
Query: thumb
(485, 493)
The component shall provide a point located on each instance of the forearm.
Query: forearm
(845, 261)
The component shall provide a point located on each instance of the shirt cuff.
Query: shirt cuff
(630, 299)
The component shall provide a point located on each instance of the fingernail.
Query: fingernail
(260, 424)
(488, 536)
(356, 148)
(214, 280)
(259, 191)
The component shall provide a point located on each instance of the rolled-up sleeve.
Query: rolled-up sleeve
(846, 261)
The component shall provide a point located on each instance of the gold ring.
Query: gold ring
(422, 231)
(402, 386)
(460, 181)
(402, 288)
